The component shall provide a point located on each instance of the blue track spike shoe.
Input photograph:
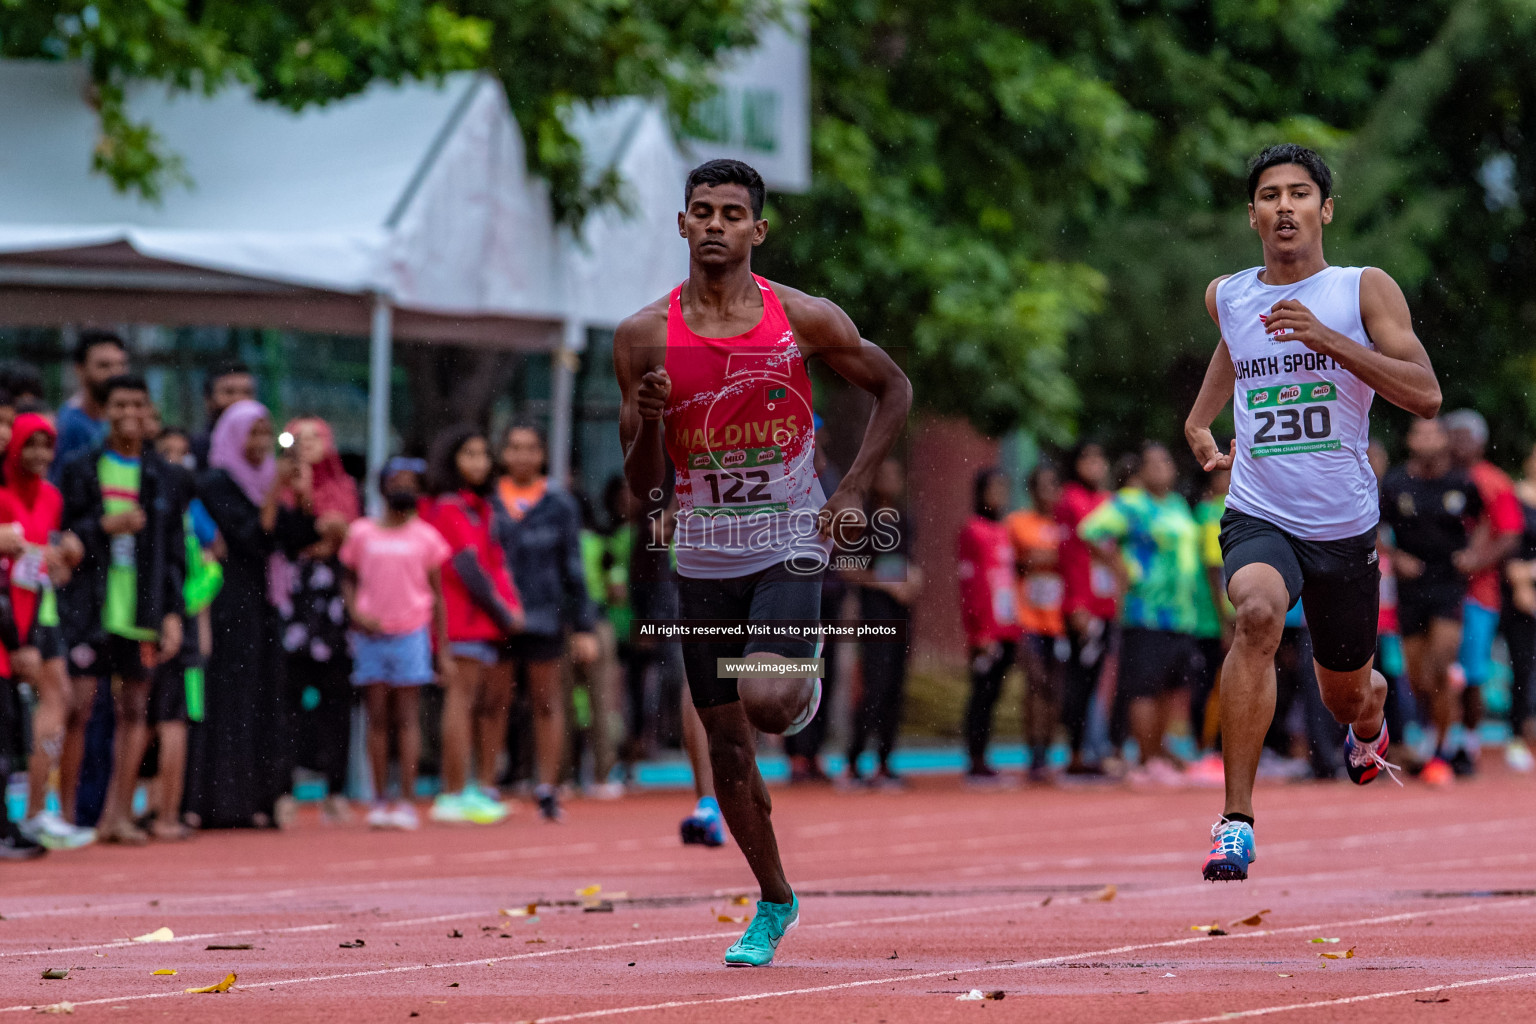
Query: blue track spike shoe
(1365, 761)
(705, 826)
(1231, 853)
(761, 940)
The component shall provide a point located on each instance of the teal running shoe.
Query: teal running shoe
(481, 807)
(761, 940)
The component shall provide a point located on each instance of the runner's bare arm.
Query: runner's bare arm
(639, 354)
(1398, 369)
(824, 330)
(1215, 390)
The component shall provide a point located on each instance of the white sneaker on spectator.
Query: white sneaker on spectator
(52, 832)
(1518, 756)
(379, 816)
(606, 791)
(403, 816)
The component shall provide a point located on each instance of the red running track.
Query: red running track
(909, 900)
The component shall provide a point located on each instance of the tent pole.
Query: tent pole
(380, 359)
(561, 434)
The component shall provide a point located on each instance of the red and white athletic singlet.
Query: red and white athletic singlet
(739, 432)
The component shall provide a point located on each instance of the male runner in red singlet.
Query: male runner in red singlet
(713, 378)
(1304, 348)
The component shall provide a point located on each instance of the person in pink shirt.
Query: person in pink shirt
(988, 577)
(394, 592)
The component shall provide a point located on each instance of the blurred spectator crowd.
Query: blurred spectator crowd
(194, 621)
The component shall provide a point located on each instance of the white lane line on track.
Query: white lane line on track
(1332, 875)
(1271, 850)
(636, 943)
(241, 933)
(990, 968)
(1345, 1000)
(639, 943)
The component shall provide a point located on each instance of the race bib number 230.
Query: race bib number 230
(1290, 419)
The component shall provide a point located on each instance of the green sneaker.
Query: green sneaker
(449, 808)
(482, 808)
(761, 940)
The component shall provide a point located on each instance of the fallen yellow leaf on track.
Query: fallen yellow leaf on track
(163, 971)
(1104, 895)
(223, 986)
(591, 890)
(1252, 921)
(1348, 954)
(529, 911)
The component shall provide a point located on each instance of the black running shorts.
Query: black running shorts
(773, 593)
(1337, 581)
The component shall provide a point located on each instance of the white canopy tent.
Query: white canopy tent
(404, 212)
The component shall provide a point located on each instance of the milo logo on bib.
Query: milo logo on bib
(1290, 393)
(1321, 392)
(699, 460)
(737, 457)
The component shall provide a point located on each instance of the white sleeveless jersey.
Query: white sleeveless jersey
(1303, 422)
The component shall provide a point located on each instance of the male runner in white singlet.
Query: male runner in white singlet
(713, 378)
(1304, 347)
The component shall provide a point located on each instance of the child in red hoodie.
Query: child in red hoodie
(58, 727)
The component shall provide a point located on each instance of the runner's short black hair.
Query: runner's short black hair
(124, 382)
(1290, 153)
(728, 172)
(90, 339)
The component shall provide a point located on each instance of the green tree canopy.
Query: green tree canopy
(1032, 197)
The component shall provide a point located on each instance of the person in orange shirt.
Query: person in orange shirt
(1036, 538)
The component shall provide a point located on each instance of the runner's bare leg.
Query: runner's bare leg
(743, 796)
(1258, 593)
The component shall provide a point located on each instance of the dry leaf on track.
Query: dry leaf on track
(223, 986)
